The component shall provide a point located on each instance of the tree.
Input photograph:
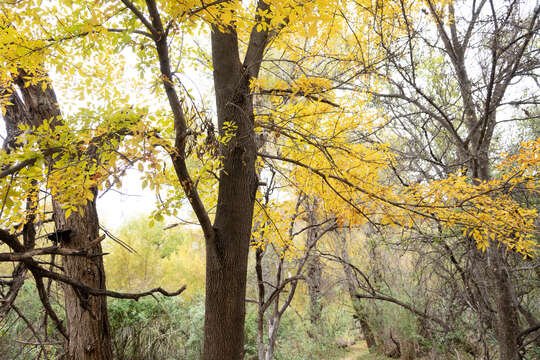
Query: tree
(352, 288)
(277, 253)
(228, 237)
(463, 65)
(76, 236)
(87, 330)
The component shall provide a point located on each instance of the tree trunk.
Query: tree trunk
(314, 281)
(228, 239)
(360, 313)
(259, 253)
(86, 316)
(507, 328)
(314, 269)
(273, 326)
(227, 252)
(502, 289)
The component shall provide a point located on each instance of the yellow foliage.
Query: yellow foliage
(167, 258)
(310, 119)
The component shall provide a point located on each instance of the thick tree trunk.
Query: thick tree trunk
(86, 316)
(228, 239)
(227, 252)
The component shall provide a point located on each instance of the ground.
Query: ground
(359, 351)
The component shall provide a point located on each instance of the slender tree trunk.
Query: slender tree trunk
(266, 352)
(359, 310)
(314, 269)
(86, 316)
(259, 253)
(314, 280)
(501, 289)
(507, 328)
(273, 326)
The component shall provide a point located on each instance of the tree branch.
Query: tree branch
(141, 17)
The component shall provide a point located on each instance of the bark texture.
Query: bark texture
(507, 329)
(87, 320)
(228, 238)
(227, 252)
(86, 316)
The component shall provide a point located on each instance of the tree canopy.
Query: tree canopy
(383, 114)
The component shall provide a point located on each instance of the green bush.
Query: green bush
(298, 339)
(16, 340)
(166, 328)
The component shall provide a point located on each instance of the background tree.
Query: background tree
(451, 82)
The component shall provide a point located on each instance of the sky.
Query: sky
(117, 206)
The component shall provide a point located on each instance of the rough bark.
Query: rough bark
(507, 329)
(86, 315)
(15, 115)
(228, 238)
(314, 276)
(227, 253)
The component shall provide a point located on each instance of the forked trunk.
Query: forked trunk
(227, 252)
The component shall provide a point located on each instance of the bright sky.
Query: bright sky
(117, 206)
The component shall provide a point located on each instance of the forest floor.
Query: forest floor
(359, 351)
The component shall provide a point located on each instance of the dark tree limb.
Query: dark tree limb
(405, 306)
